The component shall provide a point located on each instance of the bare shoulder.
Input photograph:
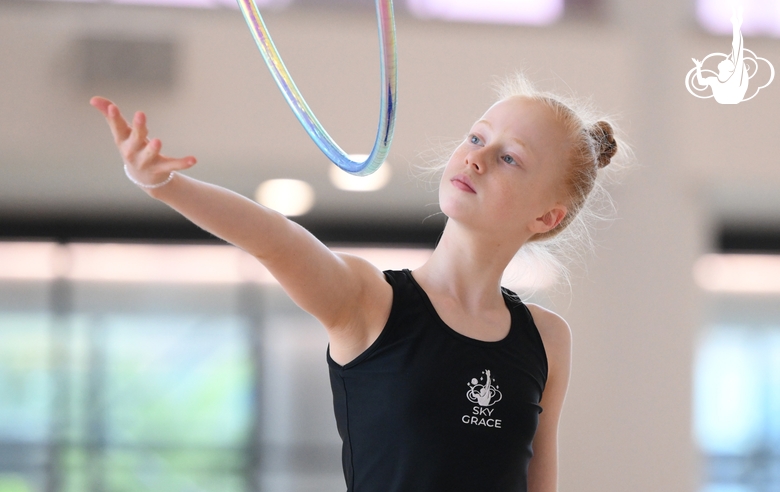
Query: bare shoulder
(365, 274)
(365, 315)
(372, 294)
(554, 330)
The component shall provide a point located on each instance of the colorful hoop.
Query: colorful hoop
(389, 75)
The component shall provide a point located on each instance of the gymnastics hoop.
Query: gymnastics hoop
(388, 73)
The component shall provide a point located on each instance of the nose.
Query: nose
(476, 159)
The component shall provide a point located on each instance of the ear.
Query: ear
(549, 220)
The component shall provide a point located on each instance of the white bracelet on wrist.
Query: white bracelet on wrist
(146, 186)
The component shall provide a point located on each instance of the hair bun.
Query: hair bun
(604, 138)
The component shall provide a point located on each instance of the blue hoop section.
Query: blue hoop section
(389, 75)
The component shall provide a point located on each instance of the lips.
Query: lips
(463, 183)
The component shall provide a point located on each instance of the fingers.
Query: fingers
(109, 110)
(101, 104)
(177, 164)
(117, 123)
(138, 140)
(139, 131)
(137, 150)
(150, 153)
(119, 127)
(151, 159)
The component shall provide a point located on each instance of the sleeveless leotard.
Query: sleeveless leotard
(427, 409)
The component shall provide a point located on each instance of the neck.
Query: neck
(468, 266)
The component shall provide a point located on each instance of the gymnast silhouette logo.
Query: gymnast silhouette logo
(482, 391)
(735, 70)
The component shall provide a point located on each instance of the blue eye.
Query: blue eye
(509, 159)
(474, 139)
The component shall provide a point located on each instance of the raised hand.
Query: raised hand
(142, 158)
(736, 16)
(697, 62)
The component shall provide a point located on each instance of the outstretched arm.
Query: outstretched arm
(737, 43)
(329, 286)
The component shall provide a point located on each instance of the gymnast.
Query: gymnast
(442, 380)
(731, 84)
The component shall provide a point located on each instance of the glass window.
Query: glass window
(161, 368)
(25, 387)
(169, 387)
(737, 404)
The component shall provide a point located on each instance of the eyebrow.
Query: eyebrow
(522, 144)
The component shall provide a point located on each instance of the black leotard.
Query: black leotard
(427, 409)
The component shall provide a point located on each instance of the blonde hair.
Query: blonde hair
(597, 156)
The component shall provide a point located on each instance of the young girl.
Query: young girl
(442, 380)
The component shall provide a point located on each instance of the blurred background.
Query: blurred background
(139, 353)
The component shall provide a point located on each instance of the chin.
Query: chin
(450, 207)
(462, 215)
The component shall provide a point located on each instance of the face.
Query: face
(506, 176)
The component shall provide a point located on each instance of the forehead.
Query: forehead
(524, 114)
(532, 122)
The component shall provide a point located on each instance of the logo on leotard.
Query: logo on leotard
(482, 391)
(735, 70)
